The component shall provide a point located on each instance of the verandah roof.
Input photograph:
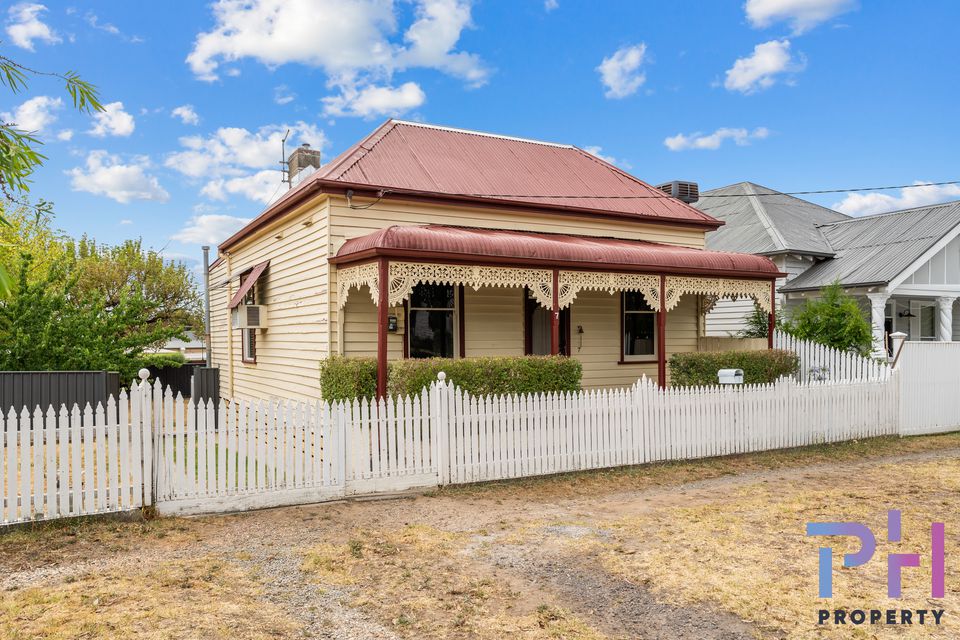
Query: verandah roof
(497, 246)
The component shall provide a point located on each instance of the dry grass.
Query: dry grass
(598, 482)
(747, 552)
(418, 581)
(204, 598)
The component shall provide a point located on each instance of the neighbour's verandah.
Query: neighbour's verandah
(418, 269)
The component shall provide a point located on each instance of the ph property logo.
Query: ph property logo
(896, 563)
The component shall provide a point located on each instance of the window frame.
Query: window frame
(248, 337)
(455, 310)
(637, 359)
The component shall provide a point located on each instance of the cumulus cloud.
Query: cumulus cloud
(802, 15)
(35, 114)
(741, 137)
(760, 69)
(359, 51)
(24, 25)
(226, 158)
(66, 135)
(186, 114)
(550, 5)
(209, 229)
(107, 175)
(862, 204)
(621, 73)
(112, 121)
(373, 101)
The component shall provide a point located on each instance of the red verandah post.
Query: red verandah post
(555, 317)
(383, 277)
(771, 319)
(662, 335)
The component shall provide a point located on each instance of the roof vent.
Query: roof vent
(687, 192)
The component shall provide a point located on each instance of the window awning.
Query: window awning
(248, 283)
(503, 247)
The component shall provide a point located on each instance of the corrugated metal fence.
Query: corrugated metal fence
(31, 389)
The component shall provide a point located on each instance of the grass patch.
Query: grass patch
(198, 599)
(418, 582)
(600, 481)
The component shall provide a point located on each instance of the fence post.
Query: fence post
(440, 429)
(146, 436)
(341, 431)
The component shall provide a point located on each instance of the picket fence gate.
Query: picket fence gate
(196, 457)
(819, 362)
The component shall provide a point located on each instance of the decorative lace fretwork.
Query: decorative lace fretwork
(759, 290)
(404, 276)
(573, 282)
(362, 274)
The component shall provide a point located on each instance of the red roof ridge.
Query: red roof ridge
(482, 134)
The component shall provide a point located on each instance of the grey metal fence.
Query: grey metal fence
(31, 389)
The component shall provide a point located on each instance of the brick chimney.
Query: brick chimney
(301, 158)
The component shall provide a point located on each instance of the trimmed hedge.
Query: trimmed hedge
(347, 378)
(759, 367)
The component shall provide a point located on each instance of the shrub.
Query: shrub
(700, 368)
(834, 319)
(346, 378)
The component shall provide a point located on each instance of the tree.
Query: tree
(19, 154)
(29, 232)
(51, 323)
(757, 323)
(834, 319)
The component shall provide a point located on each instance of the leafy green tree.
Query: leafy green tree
(29, 232)
(834, 319)
(19, 149)
(50, 323)
(757, 323)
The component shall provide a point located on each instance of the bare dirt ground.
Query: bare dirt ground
(712, 549)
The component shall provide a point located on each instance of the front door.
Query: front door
(537, 328)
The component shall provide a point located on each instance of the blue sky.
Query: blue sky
(792, 94)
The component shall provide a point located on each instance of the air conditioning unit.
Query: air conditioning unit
(249, 316)
(688, 192)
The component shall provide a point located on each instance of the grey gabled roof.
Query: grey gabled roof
(873, 250)
(765, 221)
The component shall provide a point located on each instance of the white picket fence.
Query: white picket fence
(819, 362)
(66, 463)
(196, 458)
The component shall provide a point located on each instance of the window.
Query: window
(430, 321)
(928, 321)
(248, 337)
(639, 328)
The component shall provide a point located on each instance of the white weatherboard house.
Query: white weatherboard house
(903, 266)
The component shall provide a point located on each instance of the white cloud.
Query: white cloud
(106, 175)
(550, 5)
(209, 229)
(24, 25)
(226, 157)
(283, 95)
(112, 121)
(262, 186)
(598, 151)
(94, 22)
(760, 69)
(126, 221)
(35, 114)
(359, 50)
(802, 15)
(65, 135)
(861, 204)
(741, 137)
(621, 73)
(186, 114)
(372, 101)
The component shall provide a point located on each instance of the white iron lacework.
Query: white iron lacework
(357, 276)
(572, 282)
(404, 276)
(759, 290)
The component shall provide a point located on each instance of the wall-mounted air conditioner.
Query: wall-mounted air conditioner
(249, 316)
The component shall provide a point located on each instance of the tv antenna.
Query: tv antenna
(284, 165)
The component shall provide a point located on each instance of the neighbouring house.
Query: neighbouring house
(424, 241)
(903, 266)
(192, 348)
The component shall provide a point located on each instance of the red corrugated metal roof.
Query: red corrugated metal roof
(408, 158)
(519, 247)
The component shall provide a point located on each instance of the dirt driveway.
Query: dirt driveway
(711, 549)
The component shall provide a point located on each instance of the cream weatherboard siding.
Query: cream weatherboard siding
(493, 321)
(295, 291)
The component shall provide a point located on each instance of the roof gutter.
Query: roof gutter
(459, 258)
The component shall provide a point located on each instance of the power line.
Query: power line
(716, 195)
